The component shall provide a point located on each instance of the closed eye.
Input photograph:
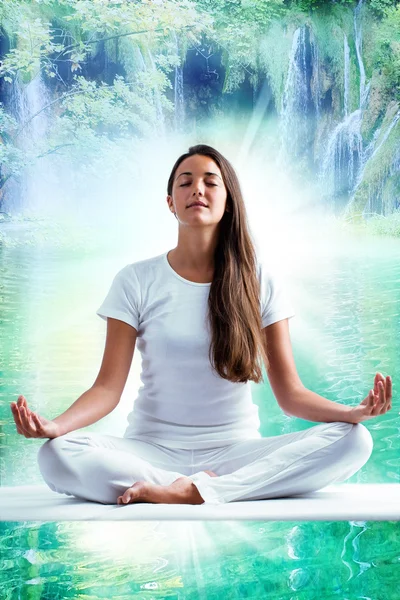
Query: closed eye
(183, 184)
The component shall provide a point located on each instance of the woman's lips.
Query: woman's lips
(197, 206)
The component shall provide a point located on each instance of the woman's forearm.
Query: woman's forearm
(90, 407)
(308, 405)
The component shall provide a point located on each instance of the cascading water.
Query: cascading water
(346, 83)
(343, 157)
(300, 107)
(315, 81)
(39, 182)
(140, 57)
(358, 43)
(294, 105)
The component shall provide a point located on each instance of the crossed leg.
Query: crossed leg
(287, 465)
(108, 469)
(278, 466)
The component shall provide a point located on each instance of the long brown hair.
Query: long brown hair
(237, 345)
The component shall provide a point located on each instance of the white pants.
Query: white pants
(101, 467)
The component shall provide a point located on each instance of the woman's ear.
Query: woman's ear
(171, 206)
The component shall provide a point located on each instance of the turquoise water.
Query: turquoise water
(195, 560)
(346, 329)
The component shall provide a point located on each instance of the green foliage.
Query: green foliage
(329, 36)
(34, 45)
(388, 226)
(274, 57)
(379, 7)
(382, 225)
(382, 51)
(379, 178)
(90, 112)
(383, 159)
(320, 5)
(93, 113)
(237, 28)
(329, 31)
(12, 160)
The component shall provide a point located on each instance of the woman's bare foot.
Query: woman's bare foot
(181, 491)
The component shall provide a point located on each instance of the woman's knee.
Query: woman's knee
(51, 456)
(357, 445)
(50, 449)
(352, 450)
(356, 435)
(362, 440)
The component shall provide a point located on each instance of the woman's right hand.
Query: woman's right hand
(30, 424)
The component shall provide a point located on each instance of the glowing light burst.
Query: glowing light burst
(170, 553)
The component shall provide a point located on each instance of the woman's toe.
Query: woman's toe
(134, 494)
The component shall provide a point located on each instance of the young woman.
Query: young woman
(206, 316)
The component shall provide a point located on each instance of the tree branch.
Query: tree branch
(53, 150)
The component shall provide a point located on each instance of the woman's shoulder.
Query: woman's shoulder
(141, 272)
(142, 265)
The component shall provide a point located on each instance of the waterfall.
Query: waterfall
(358, 43)
(316, 86)
(141, 59)
(296, 100)
(346, 52)
(294, 88)
(343, 156)
(39, 183)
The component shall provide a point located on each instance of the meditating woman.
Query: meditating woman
(206, 316)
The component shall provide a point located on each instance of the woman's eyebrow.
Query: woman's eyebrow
(190, 173)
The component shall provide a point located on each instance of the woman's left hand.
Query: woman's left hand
(378, 401)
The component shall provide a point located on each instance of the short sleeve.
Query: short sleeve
(123, 298)
(275, 303)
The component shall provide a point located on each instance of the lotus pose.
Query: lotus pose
(206, 316)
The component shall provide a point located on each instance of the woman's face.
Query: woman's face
(198, 178)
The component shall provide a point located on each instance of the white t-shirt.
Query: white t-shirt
(183, 403)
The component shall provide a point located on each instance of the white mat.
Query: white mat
(341, 502)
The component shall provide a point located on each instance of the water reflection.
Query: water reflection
(199, 560)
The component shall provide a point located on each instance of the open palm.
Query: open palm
(377, 402)
(30, 424)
